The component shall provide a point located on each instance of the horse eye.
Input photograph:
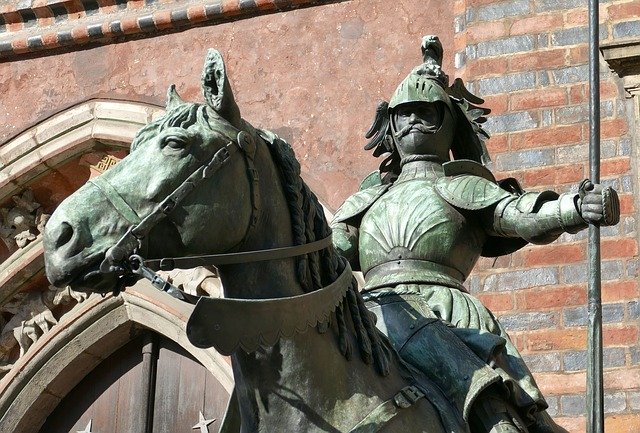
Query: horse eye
(174, 142)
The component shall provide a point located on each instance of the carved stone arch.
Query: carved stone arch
(84, 337)
(67, 135)
(42, 149)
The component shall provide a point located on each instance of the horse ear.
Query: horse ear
(217, 89)
(173, 99)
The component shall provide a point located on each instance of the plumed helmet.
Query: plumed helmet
(421, 85)
(427, 82)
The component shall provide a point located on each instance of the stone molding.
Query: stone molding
(67, 135)
(37, 25)
(624, 59)
(19, 268)
(81, 340)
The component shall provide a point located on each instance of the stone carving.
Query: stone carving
(31, 316)
(105, 163)
(98, 162)
(21, 224)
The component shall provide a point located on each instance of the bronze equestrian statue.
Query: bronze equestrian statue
(202, 186)
(418, 225)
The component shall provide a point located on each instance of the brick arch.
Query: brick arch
(87, 335)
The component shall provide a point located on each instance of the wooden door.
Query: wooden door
(149, 385)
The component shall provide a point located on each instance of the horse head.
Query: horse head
(170, 196)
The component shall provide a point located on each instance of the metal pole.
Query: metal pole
(595, 390)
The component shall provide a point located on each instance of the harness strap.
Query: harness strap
(248, 146)
(168, 264)
(141, 227)
(385, 412)
(116, 200)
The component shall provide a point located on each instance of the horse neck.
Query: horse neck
(273, 278)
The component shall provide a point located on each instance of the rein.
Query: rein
(122, 258)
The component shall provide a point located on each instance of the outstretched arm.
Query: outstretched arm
(540, 218)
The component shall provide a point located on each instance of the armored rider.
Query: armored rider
(417, 227)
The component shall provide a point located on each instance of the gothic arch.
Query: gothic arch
(84, 337)
(48, 145)
(68, 135)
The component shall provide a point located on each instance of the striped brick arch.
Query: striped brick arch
(34, 26)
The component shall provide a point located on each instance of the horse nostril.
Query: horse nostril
(65, 235)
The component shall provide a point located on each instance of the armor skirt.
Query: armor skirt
(471, 322)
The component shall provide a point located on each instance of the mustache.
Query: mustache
(425, 129)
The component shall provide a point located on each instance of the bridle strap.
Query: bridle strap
(141, 228)
(168, 264)
(120, 254)
(248, 146)
(180, 193)
(116, 200)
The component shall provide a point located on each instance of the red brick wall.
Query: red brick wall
(313, 75)
(528, 59)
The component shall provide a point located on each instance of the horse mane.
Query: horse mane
(321, 268)
(181, 116)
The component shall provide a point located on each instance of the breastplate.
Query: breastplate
(412, 235)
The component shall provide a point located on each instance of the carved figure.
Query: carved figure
(417, 227)
(32, 317)
(197, 281)
(219, 192)
(22, 223)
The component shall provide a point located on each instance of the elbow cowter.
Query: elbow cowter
(345, 240)
(538, 217)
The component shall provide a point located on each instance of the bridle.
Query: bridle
(124, 258)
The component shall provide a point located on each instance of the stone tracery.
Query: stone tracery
(21, 223)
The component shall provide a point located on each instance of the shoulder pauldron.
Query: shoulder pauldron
(352, 209)
(470, 192)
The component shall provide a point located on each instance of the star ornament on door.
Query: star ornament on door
(203, 424)
(87, 429)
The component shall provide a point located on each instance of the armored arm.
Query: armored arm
(538, 218)
(541, 217)
(347, 218)
(345, 240)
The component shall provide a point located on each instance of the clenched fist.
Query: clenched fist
(599, 204)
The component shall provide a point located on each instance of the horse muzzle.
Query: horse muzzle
(68, 257)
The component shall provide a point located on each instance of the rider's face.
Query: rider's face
(417, 114)
(417, 127)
